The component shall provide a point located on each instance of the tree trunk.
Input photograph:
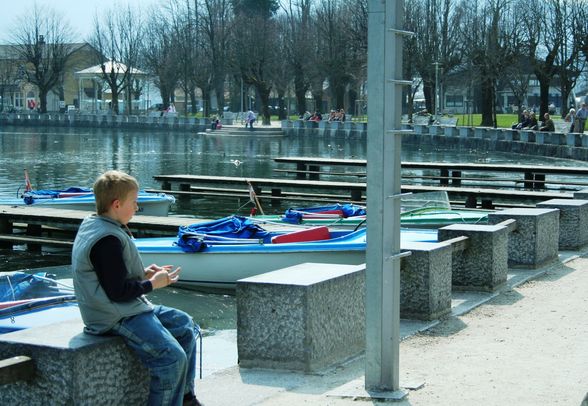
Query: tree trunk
(487, 102)
(264, 92)
(114, 96)
(194, 109)
(281, 105)
(206, 102)
(300, 92)
(43, 100)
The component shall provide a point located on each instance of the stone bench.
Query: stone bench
(573, 221)
(74, 368)
(305, 317)
(425, 280)
(536, 238)
(312, 316)
(483, 265)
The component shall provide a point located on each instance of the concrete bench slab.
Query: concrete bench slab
(483, 265)
(536, 238)
(307, 317)
(573, 221)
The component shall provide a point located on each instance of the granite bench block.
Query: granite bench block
(527, 136)
(483, 265)
(450, 131)
(74, 368)
(306, 317)
(573, 221)
(425, 281)
(536, 238)
(465, 132)
(421, 129)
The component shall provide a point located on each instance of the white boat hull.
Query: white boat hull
(148, 206)
(222, 270)
(222, 265)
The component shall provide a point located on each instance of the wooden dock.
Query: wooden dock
(518, 176)
(43, 226)
(198, 185)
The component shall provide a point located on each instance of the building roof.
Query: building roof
(109, 67)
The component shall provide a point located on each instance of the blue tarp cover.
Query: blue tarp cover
(295, 215)
(29, 197)
(20, 285)
(193, 238)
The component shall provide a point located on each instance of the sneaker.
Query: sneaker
(190, 400)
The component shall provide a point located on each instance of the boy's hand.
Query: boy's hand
(153, 268)
(164, 277)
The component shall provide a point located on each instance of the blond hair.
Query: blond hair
(111, 186)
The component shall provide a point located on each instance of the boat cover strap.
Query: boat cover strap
(295, 215)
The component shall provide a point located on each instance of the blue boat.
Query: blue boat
(77, 198)
(218, 253)
(34, 300)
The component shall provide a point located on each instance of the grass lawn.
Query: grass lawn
(503, 120)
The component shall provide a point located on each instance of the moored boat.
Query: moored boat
(419, 210)
(76, 198)
(218, 253)
(34, 300)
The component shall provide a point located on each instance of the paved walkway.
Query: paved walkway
(526, 346)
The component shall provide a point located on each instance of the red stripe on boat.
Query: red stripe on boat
(309, 234)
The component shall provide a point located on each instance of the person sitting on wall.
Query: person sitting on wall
(533, 124)
(524, 121)
(316, 117)
(548, 124)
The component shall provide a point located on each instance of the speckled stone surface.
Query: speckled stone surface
(483, 265)
(307, 317)
(573, 221)
(74, 368)
(425, 281)
(536, 238)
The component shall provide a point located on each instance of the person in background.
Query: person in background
(571, 118)
(581, 116)
(524, 121)
(548, 124)
(110, 284)
(250, 119)
(533, 124)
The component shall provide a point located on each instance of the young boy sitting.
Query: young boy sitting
(110, 283)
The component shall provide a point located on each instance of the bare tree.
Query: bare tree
(438, 45)
(217, 28)
(333, 55)
(160, 55)
(42, 42)
(568, 22)
(296, 29)
(254, 51)
(118, 36)
(491, 43)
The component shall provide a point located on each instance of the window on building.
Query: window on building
(18, 100)
(453, 101)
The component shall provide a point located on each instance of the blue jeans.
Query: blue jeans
(164, 341)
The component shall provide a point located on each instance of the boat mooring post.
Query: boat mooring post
(383, 198)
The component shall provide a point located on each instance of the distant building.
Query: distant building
(18, 94)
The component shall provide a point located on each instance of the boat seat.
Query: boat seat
(308, 234)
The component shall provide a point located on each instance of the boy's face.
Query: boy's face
(125, 208)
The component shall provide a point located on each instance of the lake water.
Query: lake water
(59, 158)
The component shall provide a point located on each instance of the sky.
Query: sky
(79, 13)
